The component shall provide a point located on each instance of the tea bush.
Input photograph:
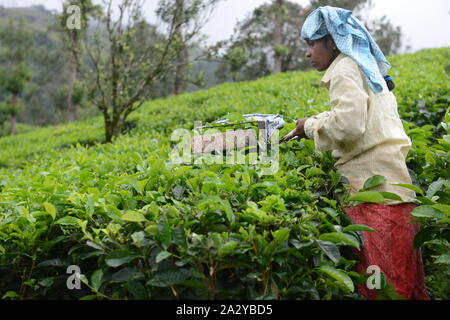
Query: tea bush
(140, 227)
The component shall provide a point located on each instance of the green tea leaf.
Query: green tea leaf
(444, 208)
(90, 205)
(427, 212)
(367, 196)
(84, 279)
(10, 294)
(94, 245)
(137, 289)
(54, 263)
(429, 157)
(236, 117)
(228, 210)
(96, 279)
(162, 256)
(425, 200)
(120, 257)
(358, 227)
(409, 186)
(391, 196)
(68, 221)
(227, 248)
(281, 235)
(437, 186)
(133, 182)
(50, 209)
(168, 278)
(443, 258)
(126, 274)
(330, 249)
(47, 282)
(179, 237)
(374, 182)
(136, 157)
(112, 212)
(310, 172)
(134, 216)
(338, 275)
(340, 238)
(181, 171)
(164, 233)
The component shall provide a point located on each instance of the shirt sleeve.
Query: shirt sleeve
(346, 122)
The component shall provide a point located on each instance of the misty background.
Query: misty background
(425, 24)
(50, 75)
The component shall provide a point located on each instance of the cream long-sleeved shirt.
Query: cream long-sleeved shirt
(363, 129)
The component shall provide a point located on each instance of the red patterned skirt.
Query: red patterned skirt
(390, 248)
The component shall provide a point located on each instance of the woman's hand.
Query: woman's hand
(296, 134)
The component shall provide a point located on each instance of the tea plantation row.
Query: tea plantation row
(139, 226)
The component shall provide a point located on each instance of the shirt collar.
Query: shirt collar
(329, 73)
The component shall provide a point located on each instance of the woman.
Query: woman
(366, 135)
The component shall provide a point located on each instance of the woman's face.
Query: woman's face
(321, 53)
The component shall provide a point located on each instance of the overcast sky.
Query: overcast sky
(426, 24)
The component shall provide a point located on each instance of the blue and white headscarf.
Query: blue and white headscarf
(352, 39)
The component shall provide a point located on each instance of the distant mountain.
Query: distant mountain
(36, 17)
(43, 98)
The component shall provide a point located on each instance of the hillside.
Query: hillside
(292, 95)
(141, 227)
(35, 18)
(45, 97)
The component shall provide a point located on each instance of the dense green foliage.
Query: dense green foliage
(45, 98)
(140, 227)
(249, 53)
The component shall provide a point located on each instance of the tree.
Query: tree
(187, 17)
(269, 41)
(16, 44)
(354, 5)
(4, 114)
(47, 62)
(266, 41)
(130, 57)
(388, 37)
(123, 69)
(75, 12)
(46, 94)
(182, 56)
(277, 35)
(235, 58)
